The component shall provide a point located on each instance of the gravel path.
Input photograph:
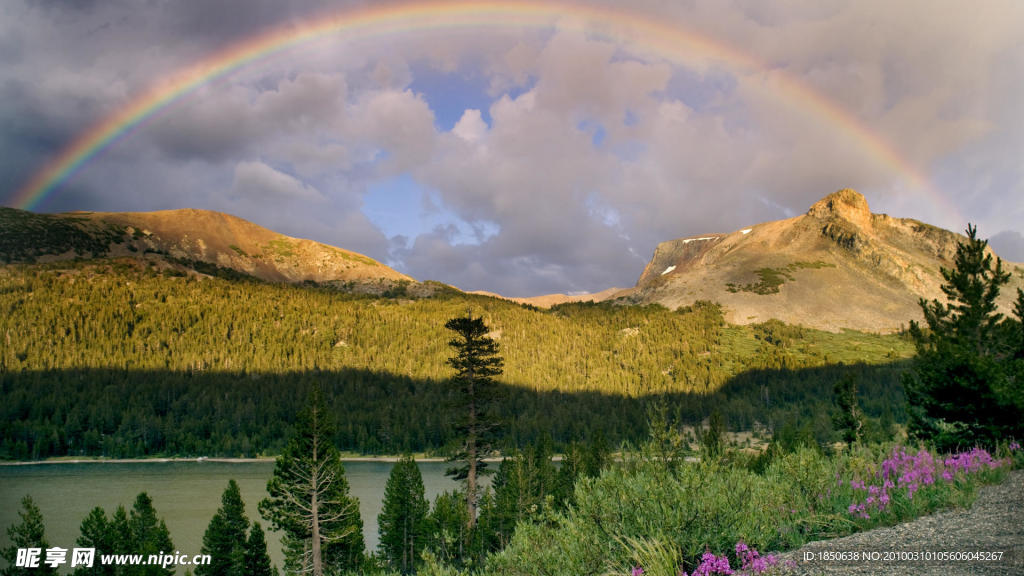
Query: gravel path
(995, 523)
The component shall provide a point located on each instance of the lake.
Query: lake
(185, 494)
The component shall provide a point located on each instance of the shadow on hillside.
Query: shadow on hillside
(126, 413)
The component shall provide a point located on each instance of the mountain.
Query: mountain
(549, 300)
(200, 240)
(837, 266)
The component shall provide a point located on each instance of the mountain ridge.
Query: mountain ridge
(837, 266)
(184, 236)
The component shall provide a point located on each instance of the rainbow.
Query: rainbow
(669, 41)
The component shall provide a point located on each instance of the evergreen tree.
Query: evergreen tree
(224, 539)
(119, 532)
(666, 441)
(847, 417)
(402, 523)
(448, 535)
(570, 469)
(96, 533)
(255, 560)
(476, 363)
(29, 533)
(953, 394)
(309, 499)
(597, 455)
(148, 536)
(713, 440)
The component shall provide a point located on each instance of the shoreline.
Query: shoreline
(201, 459)
(220, 460)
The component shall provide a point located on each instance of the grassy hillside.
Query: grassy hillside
(160, 343)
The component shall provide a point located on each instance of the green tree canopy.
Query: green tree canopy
(957, 393)
(402, 524)
(29, 533)
(847, 416)
(309, 499)
(225, 539)
(148, 536)
(96, 532)
(476, 363)
(255, 560)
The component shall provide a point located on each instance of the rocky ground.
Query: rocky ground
(994, 524)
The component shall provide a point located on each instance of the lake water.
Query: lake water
(185, 494)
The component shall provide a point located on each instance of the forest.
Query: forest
(120, 359)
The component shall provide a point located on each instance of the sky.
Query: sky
(524, 155)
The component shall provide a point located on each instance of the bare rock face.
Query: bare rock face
(838, 266)
(846, 204)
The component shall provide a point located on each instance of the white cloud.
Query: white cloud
(257, 181)
(470, 127)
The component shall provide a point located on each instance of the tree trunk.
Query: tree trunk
(318, 569)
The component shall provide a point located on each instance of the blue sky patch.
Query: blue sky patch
(451, 94)
(401, 206)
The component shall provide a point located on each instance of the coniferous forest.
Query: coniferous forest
(119, 359)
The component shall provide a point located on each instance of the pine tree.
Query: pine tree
(1018, 332)
(448, 537)
(402, 524)
(952, 396)
(565, 479)
(847, 417)
(96, 533)
(148, 536)
(309, 499)
(476, 363)
(119, 532)
(29, 533)
(255, 560)
(1012, 386)
(225, 539)
(713, 440)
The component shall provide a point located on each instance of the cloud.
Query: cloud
(259, 182)
(470, 127)
(577, 151)
(1009, 245)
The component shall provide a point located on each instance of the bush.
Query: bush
(646, 514)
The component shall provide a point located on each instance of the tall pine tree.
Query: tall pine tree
(255, 560)
(847, 416)
(148, 536)
(476, 363)
(224, 539)
(29, 533)
(96, 532)
(402, 524)
(953, 394)
(309, 498)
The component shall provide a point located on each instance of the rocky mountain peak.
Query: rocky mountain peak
(846, 204)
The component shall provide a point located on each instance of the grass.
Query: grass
(770, 279)
(280, 248)
(353, 257)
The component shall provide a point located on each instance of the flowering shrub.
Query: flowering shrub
(908, 473)
(751, 562)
